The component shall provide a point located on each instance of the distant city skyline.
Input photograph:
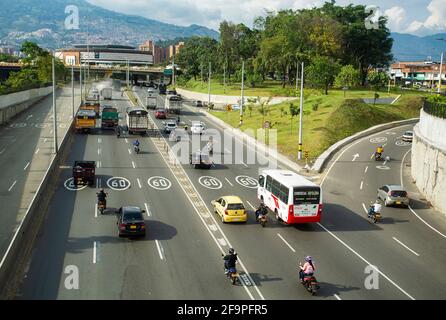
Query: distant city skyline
(418, 17)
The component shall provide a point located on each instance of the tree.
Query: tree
(377, 79)
(322, 72)
(294, 111)
(348, 77)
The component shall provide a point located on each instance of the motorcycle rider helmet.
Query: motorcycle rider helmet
(102, 190)
(231, 251)
(377, 201)
(308, 258)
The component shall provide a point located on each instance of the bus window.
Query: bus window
(306, 196)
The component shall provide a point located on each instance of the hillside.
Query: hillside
(22, 20)
(407, 47)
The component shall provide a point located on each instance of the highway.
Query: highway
(180, 257)
(26, 150)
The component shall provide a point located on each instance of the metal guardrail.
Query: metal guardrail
(435, 109)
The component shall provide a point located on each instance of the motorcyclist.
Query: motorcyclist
(307, 269)
(178, 120)
(230, 260)
(118, 131)
(102, 197)
(377, 207)
(136, 144)
(379, 151)
(261, 210)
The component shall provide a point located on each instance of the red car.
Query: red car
(160, 114)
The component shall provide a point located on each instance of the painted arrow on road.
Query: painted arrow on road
(355, 156)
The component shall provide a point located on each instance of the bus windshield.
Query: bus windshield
(306, 195)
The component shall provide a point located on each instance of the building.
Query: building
(424, 73)
(7, 50)
(104, 54)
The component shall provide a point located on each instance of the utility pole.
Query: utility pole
(128, 73)
(80, 78)
(441, 69)
(202, 73)
(297, 75)
(173, 71)
(301, 111)
(72, 88)
(209, 85)
(54, 109)
(224, 78)
(243, 83)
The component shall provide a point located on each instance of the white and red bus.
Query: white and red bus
(293, 198)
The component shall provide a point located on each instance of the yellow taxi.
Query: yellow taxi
(230, 209)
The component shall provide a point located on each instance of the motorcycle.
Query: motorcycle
(310, 284)
(136, 149)
(232, 274)
(375, 216)
(378, 156)
(261, 216)
(101, 206)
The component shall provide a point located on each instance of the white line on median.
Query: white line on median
(366, 168)
(94, 251)
(26, 166)
(360, 187)
(371, 157)
(147, 209)
(160, 249)
(337, 297)
(99, 151)
(253, 208)
(286, 243)
(130, 151)
(37, 151)
(410, 208)
(139, 183)
(133, 165)
(99, 140)
(405, 246)
(12, 186)
(229, 182)
(95, 210)
(368, 263)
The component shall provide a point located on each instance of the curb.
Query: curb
(322, 160)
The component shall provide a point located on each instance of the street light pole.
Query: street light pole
(243, 83)
(72, 88)
(54, 108)
(209, 85)
(224, 78)
(173, 71)
(80, 78)
(441, 69)
(297, 75)
(301, 111)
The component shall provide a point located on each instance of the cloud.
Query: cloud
(436, 22)
(396, 16)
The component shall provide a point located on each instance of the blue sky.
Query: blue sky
(420, 17)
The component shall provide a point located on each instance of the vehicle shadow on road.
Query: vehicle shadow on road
(157, 230)
(418, 204)
(258, 278)
(329, 289)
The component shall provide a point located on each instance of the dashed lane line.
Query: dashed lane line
(27, 165)
(289, 246)
(229, 182)
(160, 249)
(253, 208)
(405, 246)
(12, 186)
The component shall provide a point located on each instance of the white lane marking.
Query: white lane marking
(147, 209)
(37, 151)
(355, 157)
(337, 297)
(94, 252)
(12, 186)
(366, 168)
(244, 164)
(253, 208)
(222, 241)
(126, 141)
(51, 131)
(368, 263)
(95, 210)
(133, 165)
(371, 157)
(365, 208)
(405, 246)
(362, 182)
(99, 164)
(130, 151)
(99, 151)
(229, 182)
(289, 246)
(3, 150)
(30, 116)
(26, 166)
(99, 140)
(410, 208)
(139, 183)
(45, 140)
(160, 249)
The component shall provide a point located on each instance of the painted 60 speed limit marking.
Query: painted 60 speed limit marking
(159, 183)
(210, 182)
(118, 183)
(247, 182)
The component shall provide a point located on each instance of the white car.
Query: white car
(408, 136)
(197, 127)
(169, 126)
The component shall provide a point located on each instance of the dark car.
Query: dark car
(131, 222)
(84, 172)
(160, 114)
(171, 92)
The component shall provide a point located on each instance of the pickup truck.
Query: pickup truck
(84, 172)
(109, 117)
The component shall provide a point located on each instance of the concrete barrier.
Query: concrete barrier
(322, 160)
(14, 103)
(16, 258)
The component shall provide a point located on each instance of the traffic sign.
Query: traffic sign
(306, 154)
(228, 107)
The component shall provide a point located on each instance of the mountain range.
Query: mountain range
(43, 21)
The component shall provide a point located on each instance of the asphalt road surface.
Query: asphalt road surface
(180, 257)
